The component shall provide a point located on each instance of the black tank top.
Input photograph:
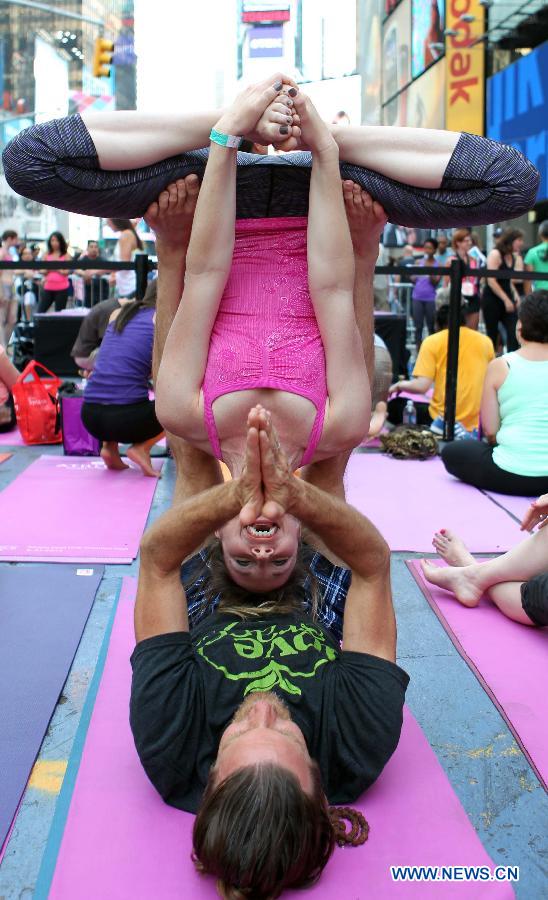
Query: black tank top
(504, 283)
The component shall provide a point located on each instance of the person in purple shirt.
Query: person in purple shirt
(117, 408)
(424, 293)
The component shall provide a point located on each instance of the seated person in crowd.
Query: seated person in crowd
(514, 414)
(117, 408)
(96, 287)
(8, 377)
(516, 582)
(256, 719)
(92, 331)
(475, 353)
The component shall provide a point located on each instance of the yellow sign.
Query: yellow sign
(465, 60)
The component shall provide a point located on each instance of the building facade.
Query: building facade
(46, 70)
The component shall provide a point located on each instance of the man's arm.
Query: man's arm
(161, 602)
(369, 622)
(419, 384)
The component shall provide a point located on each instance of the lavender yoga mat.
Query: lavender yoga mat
(510, 661)
(145, 851)
(12, 439)
(73, 509)
(43, 610)
(409, 499)
(516, 506)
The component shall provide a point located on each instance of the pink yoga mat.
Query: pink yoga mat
(120, 840)
(517, 506)
(12, 439)
(508, 658)
(408, 500)
(73, 509)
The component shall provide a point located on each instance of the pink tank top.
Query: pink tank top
(265, 334)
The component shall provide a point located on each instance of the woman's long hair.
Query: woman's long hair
(293, 596)
(62, 242)
(129, 310)
(127, 225)
(505, 241)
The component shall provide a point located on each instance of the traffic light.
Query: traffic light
(102, 56)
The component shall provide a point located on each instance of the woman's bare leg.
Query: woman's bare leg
(208, 262)
(331, 282)
(130, 140)
(500, 578)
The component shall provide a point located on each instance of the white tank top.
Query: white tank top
(126, 281)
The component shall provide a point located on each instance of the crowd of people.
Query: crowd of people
(258, 334)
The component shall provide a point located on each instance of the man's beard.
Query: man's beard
(281, 708)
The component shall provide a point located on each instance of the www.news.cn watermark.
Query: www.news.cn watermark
(454, 873)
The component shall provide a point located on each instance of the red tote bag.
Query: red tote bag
(36, 405)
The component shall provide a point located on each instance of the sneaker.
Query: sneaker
(437, 426)
(461, 434)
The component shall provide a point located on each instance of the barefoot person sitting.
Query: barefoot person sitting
(116, 407)
(256, 719)
(516, 582)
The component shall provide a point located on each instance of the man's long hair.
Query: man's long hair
(258, 833)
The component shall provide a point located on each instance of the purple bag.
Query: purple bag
(77, 441)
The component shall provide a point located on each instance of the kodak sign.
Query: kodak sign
(465, 59)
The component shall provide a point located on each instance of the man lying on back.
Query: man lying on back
(256, 719)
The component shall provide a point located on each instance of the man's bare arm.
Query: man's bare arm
(369, 622)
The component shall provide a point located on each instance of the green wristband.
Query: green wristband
(225, 140)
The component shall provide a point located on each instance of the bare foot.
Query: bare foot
(452, 549)
(138, 454)
(366, 219)
(462, 581)
(171, 215)
(279, 124)
(378, 419)
(314, 131)
(111, 456)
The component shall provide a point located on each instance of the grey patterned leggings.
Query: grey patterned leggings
(56, 163)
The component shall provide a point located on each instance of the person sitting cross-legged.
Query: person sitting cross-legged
(256, 719)
(475, 352)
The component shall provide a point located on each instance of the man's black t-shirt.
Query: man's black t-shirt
(187, 686)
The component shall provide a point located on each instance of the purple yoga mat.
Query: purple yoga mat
(408, 500)
(43, 610)
(73, 509)
(12, 438)
(508, 658)
(144, 852)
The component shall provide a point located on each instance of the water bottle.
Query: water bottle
(410, 414)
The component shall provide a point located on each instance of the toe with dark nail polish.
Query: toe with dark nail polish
(284, 129)
(278, 86)
(292, 92)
